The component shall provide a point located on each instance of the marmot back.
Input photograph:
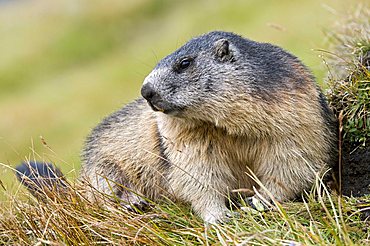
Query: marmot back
(214, 110)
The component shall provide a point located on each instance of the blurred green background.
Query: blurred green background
(65, 64)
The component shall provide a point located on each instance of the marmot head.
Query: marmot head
(194, 75)
(216, 73)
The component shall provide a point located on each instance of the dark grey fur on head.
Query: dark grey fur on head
(208, 66)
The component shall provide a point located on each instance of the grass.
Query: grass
(349, 79)
(69, 219)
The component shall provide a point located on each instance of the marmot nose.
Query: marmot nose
(152, 97)
(148, 92)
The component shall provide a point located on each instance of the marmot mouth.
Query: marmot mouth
(165, 108)
(155, 107)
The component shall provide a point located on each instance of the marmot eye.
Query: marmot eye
(185, 63)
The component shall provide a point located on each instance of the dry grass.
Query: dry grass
(69, 219)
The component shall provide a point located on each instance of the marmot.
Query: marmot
(212, 111)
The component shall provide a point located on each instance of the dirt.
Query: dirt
(356, 171)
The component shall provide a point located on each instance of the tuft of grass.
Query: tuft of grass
(349, 77)
(68, 218)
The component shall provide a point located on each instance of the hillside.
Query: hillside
(64, 65)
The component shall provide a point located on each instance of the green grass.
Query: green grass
(349, 79)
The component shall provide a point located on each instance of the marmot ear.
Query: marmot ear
(222, 47)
